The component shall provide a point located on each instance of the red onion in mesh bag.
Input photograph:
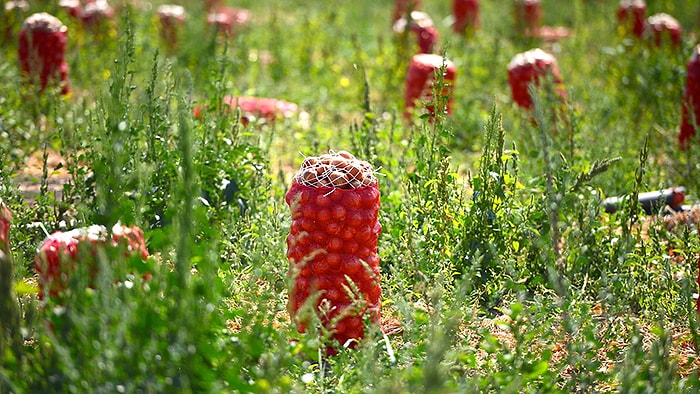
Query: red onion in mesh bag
(661, 28)
(227, 19)
(332, 245)
(254, 109)
(73, 7)
(697, 301)
(59, 254)
(529, 67)
(528, 17)
(403, 7)
(420, 79)
(422, 26)
(96, 12)
(631, 14)
(5, 223)
(171, 17)
(42, 51)
(10, 315)
(691, 101)
(212, 4)
(12, 17)
(466, 15)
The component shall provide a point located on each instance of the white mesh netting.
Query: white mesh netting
(43, 22)
(337, 170)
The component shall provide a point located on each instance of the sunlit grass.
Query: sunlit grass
(500, 269)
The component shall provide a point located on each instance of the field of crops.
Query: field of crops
(279, 216)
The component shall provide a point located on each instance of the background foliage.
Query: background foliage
(500, 270)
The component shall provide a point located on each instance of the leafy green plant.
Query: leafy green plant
(501, 271)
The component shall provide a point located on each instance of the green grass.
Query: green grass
(500, 270)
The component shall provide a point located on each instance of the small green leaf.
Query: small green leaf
(538, 369)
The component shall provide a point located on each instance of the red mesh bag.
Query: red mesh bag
(697, 302)
(42, 51)
(212, 4)
(403, 7)
(631, 14)
(254, 109)
(73, 7)
(96, 12)
(227, 19)
(9, 308)
(528, 17)
(529, 67)
(58, 255)
(419, 82)
(691, 101)
(332, 245)
(661, 28)
(11, 16)
(422, 26)
(466, 14)
(5, 223)
(171, 17)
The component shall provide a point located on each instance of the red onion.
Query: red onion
(419, 82)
